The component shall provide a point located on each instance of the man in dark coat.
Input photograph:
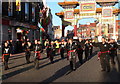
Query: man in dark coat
(38, 50)
(87, 50)
(79, 49)
(103, 55)
(27, 48)
(71, 54)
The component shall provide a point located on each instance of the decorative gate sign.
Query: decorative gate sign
(69, 14)
(107, 13)
(87, 8)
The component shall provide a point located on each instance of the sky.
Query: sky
(55, 8)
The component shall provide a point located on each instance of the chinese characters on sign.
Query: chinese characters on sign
(87, 8)
(107, 13)
(69, 15)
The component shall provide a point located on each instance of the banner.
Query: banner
(87, 8)
(18, 5)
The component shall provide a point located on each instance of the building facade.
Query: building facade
(20, 20)
(57, 32)
(50, 31)
(87, 30)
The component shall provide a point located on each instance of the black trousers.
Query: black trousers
(86, 54)
(6, 59)
(104, 60)
(51, 58)
(62, 53)
(73, 63)
(47, 53)
(113, 53)
(91, 50)
(80, 56)
(27, 56)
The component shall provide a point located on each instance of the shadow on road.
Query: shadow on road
(8, 75)
(17, 57)
(20, 65)
(63, 71)
(112, 76)
(49, 63)
(58, 74)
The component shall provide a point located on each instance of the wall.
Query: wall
(4, 32)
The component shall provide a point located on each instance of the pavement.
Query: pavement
(59, 71)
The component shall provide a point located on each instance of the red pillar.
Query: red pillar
(75, 30)
(63, 28)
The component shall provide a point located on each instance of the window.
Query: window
(26, 11)
(33, 14)
(10, 9)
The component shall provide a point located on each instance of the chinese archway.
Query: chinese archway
(106, 15)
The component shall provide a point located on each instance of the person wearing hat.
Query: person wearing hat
(113, 50)
(103, 54)
(27, 46)
(71, 54)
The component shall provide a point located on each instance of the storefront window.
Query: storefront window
(33, 14)
(10, 9)
(26, 11)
